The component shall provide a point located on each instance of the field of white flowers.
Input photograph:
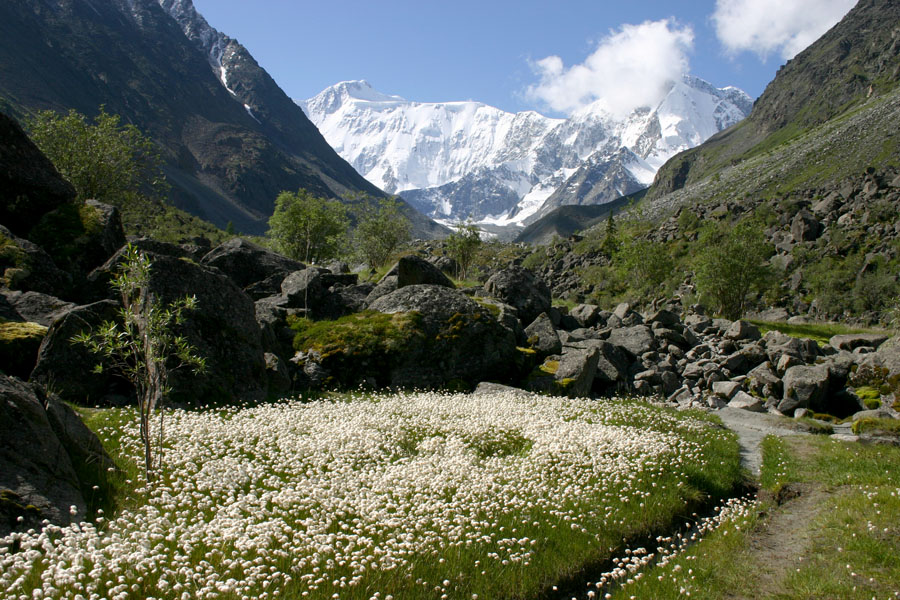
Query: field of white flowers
(404, 496)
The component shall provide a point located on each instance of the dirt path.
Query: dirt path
(751, 428)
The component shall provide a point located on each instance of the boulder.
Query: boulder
(542, 336)
(726, 389)
(30, 186)
(34, 307)
(765, 382)
(246, 263)
(745, 401)
(48, 459)
(571, 374)
(413, 270)
(804, 387)
(521, 289)
(223, 328)
(853, 341)
(664, 317)
(587, 315)
(636, 340)
(805, 227)
(68, 368)
(438, 337)
(742, 330)
(19, 346)
(26, 266)
(322, 294)
(488, 388)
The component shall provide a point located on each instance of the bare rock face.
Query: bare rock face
(43, 447)
(521, 289)
(30, 185)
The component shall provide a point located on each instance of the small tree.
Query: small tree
(144, 349)
(381, 231)
(731, 265)
(104, 160)
(307, 228)
(611, 243)
(463, 245)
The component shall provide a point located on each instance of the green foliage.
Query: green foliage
(731, 264)
(646, 265)
(870, 396)
(380, 232)
(463, 245)
(881, 426)
(144, 348)
(104, 160)
(307, 228)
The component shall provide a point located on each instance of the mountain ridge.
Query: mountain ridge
(453, 160)
(228, 150)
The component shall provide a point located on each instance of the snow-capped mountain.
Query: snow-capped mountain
(454, 160)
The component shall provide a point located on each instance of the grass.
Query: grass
(499, 498)
(853, 547)
(819, 332)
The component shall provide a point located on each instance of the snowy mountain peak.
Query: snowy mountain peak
(454, 160)
(210, 41)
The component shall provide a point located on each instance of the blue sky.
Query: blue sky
(521, 55)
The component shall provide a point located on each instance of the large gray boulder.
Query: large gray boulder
(247, 263)
(852, 341)
(542, 336)
(414, 270)
(571, 374)
(48, 459)
(521, 289)
(436, 337)
(223, 328)
(26, 266)
(804, 387)
(68, 368)
(636, 340)
(33, 307)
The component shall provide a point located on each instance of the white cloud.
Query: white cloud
(631, 67)
(783, 26)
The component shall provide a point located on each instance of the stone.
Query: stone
(48, 458)
(745, 401)
(246, 263)
(413, 270)
(35, 307)
(853, 341)
(30, 186)
(26, 266)
(666, 318)
(805, 227)
(587, 315)
(742, 330)
(543, 337)
(521, 289)
(278, 375)
(699, 323)
(459, 340)
(726, 389)
(489, 388)
(19, 346)
(764, 381)
(69, 368)
(804, 387)
(636, 340)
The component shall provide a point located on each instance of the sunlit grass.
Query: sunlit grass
(410, 496)
(819, 332)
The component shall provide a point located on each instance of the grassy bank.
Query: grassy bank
(829, 530)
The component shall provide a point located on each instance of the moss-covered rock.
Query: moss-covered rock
(19, 345)
(424, 336)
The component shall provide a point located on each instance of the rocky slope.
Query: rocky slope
(828, 114)
(458, 159)
(231, 139)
